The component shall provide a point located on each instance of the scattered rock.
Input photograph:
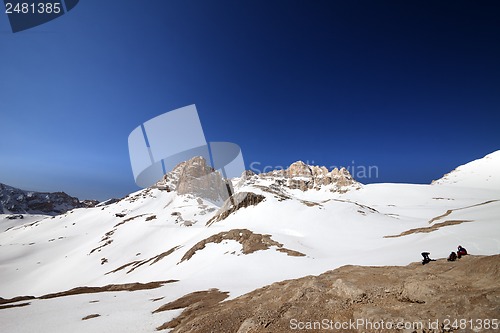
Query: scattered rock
(94, 315)
(8, 306)
(15, 217)
(429, 229)
(137, 263)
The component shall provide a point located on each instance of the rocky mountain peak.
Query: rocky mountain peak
(299, 169)
(196, 177)
(193, 169)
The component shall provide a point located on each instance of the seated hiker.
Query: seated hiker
(452, 256)
(426, 259)
(461, 251)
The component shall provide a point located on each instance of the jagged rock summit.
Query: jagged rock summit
(302, 176)
(196, 178)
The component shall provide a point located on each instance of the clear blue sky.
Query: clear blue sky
(412, 87)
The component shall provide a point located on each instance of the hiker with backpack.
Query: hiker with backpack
(452, 256)
(426, 259)
(461, 251)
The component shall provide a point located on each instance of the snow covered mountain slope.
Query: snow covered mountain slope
(481, 173)
(276, 226)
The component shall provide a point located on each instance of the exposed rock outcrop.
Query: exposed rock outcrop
(197, 178)
(234, 203)
(306, 177)
(192, 303)
(251, 242)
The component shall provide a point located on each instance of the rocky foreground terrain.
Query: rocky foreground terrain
(461, 296)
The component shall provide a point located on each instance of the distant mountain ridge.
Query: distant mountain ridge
(197, 178)
(17, 201)
(193, 177)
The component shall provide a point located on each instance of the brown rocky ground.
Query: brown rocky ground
(424, 298)
(250, 241)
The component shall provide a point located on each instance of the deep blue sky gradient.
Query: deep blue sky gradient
(412, 87)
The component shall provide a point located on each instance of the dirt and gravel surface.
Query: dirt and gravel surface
(419, 298)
